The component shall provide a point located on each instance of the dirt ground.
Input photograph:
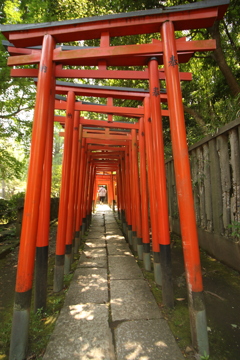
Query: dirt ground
(222, 294)
(221, 291)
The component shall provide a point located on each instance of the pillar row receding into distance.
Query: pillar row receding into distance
(25, 270)
(167, 51)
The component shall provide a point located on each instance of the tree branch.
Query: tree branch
(16, 112)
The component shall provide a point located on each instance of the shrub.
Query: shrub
(9, 208)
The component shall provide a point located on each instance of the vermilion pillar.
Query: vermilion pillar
(80, 192)
(72, 195)
(41, 263)
(110, 192)
(90, 194)
(119, 188)
(76, 203)
(161, 186)
(84, 195)
(137, 237)
(95, 195)
(144, 198)
(132, 225)
(64, 195)
(152, 187)
(26, 259)
(84, 171)
(128, 195)
(123, 174)
(184, 192)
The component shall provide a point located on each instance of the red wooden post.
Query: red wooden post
(137, 236)
(110, 192)
(128, 196)
(88, 199)
(184, 192)
(152, 188)
(84, 170)
(80, 191)
(64, 195)
(72, 195)
(26, 259)
(123, 176)
(90, 193)
(95, 195)
(76, 204)
(84, 195)
(132, 226)
(41, 264)
(144, 198)
(161, 187)
(119, 188)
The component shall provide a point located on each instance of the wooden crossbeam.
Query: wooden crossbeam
(97, 74)
(122, 53)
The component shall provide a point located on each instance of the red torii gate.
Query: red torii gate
(196, 15)
(135, 236)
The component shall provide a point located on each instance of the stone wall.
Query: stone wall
(215, 169)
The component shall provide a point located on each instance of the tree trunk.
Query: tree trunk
(219, 57)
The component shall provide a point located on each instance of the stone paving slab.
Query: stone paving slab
(114, 234)
(113, 228)
(110, 220)
(98, 224)
(94, 243)
(150, 340)
(82, 333)
(132, 300)
(96, 235)
(88, 286)
(93, 258)
(116, 248)
(123, 268)
(97, 228)
(118, 240)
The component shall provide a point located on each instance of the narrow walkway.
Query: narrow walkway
(109, 311)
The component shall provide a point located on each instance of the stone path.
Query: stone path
(109, 311)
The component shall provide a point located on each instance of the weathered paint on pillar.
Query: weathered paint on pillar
(64, 195)
(25, 270)
(184, 192)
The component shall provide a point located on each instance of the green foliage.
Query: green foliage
(208, 100)
(9, 208)
(234, 230)
(57, 161)
(205, 356)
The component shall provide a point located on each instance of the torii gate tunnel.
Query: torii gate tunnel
(107, 152)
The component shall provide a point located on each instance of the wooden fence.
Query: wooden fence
(215, 167)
